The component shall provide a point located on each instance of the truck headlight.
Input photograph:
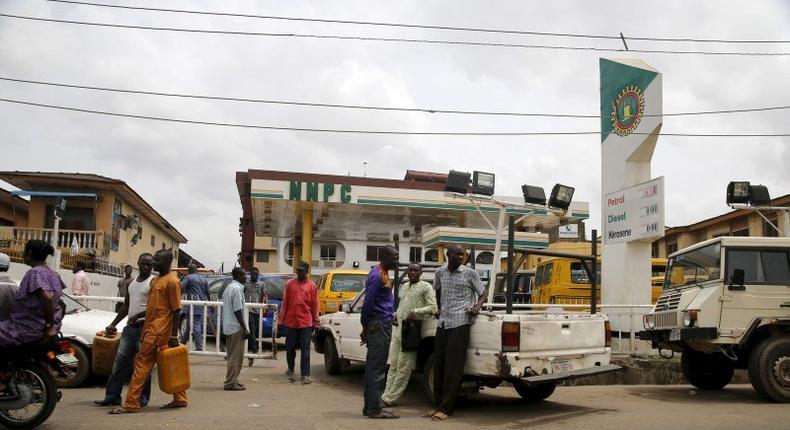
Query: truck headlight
(649, 321)
(690, 317)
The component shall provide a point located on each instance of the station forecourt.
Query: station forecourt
(342, 222)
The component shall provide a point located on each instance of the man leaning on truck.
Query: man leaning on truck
(461, 297)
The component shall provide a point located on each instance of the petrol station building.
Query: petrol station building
(342, 222)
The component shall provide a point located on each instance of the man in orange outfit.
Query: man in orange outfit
(164, 307)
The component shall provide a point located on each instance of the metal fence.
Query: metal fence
(212, 318)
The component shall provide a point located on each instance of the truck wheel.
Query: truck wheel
(426, 378)
(707, 372)
(331, 359)
(769, 369)
(535, 392)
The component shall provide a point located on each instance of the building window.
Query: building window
(485, 258)
(262, 256)
(654, 249)
(432, 255)
(768, 230)
(153, 240)
(163, 245)
(671, 248)
(415, 254)
(329, 252)
(742, 232)
(374, 252)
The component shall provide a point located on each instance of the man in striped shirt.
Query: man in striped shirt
(461, 298)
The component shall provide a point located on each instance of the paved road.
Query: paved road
(335, 402)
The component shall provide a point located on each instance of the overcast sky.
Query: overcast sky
(187, 172)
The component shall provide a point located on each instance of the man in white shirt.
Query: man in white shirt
(234, 328)
(80, 285)
(135, 302)
(8, 288)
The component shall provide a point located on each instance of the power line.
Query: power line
(378, 132)
(396, 39)
(428, 27)
(377, 108)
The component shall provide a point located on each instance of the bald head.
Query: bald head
(455, 256)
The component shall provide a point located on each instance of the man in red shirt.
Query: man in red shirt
(299, 317)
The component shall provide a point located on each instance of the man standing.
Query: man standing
(254, 292)
(195, 287)
(234, 328)
(123, 284)
(416, 301)
(461, 296)
(160, 328)
(135, 302)
(80, 285)
(376, 319)
(299, 316)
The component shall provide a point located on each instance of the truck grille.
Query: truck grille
(666, 319)
(668, 301)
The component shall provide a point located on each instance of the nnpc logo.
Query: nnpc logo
(627, 110)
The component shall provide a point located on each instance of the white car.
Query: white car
(81, 324)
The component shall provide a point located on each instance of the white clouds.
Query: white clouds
(187, 172)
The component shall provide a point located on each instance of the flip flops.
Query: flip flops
(384, 415)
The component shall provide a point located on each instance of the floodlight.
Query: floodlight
(483, 183)
(561, 196)
(458, 182)
(533, 194)
(758, 195)
(738, 192)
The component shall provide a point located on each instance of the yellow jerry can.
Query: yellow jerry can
(173, 369)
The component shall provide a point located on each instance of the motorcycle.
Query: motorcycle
(28, 373)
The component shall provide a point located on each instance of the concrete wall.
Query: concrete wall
(101, 285)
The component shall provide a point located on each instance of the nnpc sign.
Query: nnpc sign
(318, 192)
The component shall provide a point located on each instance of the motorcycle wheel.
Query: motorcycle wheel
(41, 382)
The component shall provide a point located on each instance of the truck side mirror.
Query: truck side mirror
(737, 279)
(345, 307)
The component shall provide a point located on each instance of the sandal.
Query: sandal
(120, 411)
(384, 415)
(440, 416)
(174, 405)
(429, 414)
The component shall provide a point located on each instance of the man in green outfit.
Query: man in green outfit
(416, 301)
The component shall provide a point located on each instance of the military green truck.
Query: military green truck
(725, 306)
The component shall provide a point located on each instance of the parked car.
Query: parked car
(337, 286)
(80, 325)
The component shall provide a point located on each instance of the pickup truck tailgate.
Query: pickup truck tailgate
(558, 332)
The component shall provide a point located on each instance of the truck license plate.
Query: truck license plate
(674, 334)
(558, 366)
(67, 359)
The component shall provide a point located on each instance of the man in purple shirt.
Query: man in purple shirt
(376, 318)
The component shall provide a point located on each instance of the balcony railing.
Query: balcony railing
(66, 239)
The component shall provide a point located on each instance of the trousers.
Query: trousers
(195, 329)
(379, 335)
(234, 344)
(401, 366)
(123, 365)
(143, 364)
(298, 337)
(450, 348)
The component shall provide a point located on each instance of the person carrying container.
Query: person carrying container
(160, 328)
(134, 303)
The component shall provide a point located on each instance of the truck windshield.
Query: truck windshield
(699, 265)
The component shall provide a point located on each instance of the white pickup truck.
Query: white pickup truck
(531, 350)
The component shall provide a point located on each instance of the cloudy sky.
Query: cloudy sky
(187, 171)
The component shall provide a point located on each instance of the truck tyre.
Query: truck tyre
(535, 392)
(331, 359)
(769, 369)
(426, 379)
(707, 372)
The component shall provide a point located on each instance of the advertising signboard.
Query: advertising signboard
(635, 213)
